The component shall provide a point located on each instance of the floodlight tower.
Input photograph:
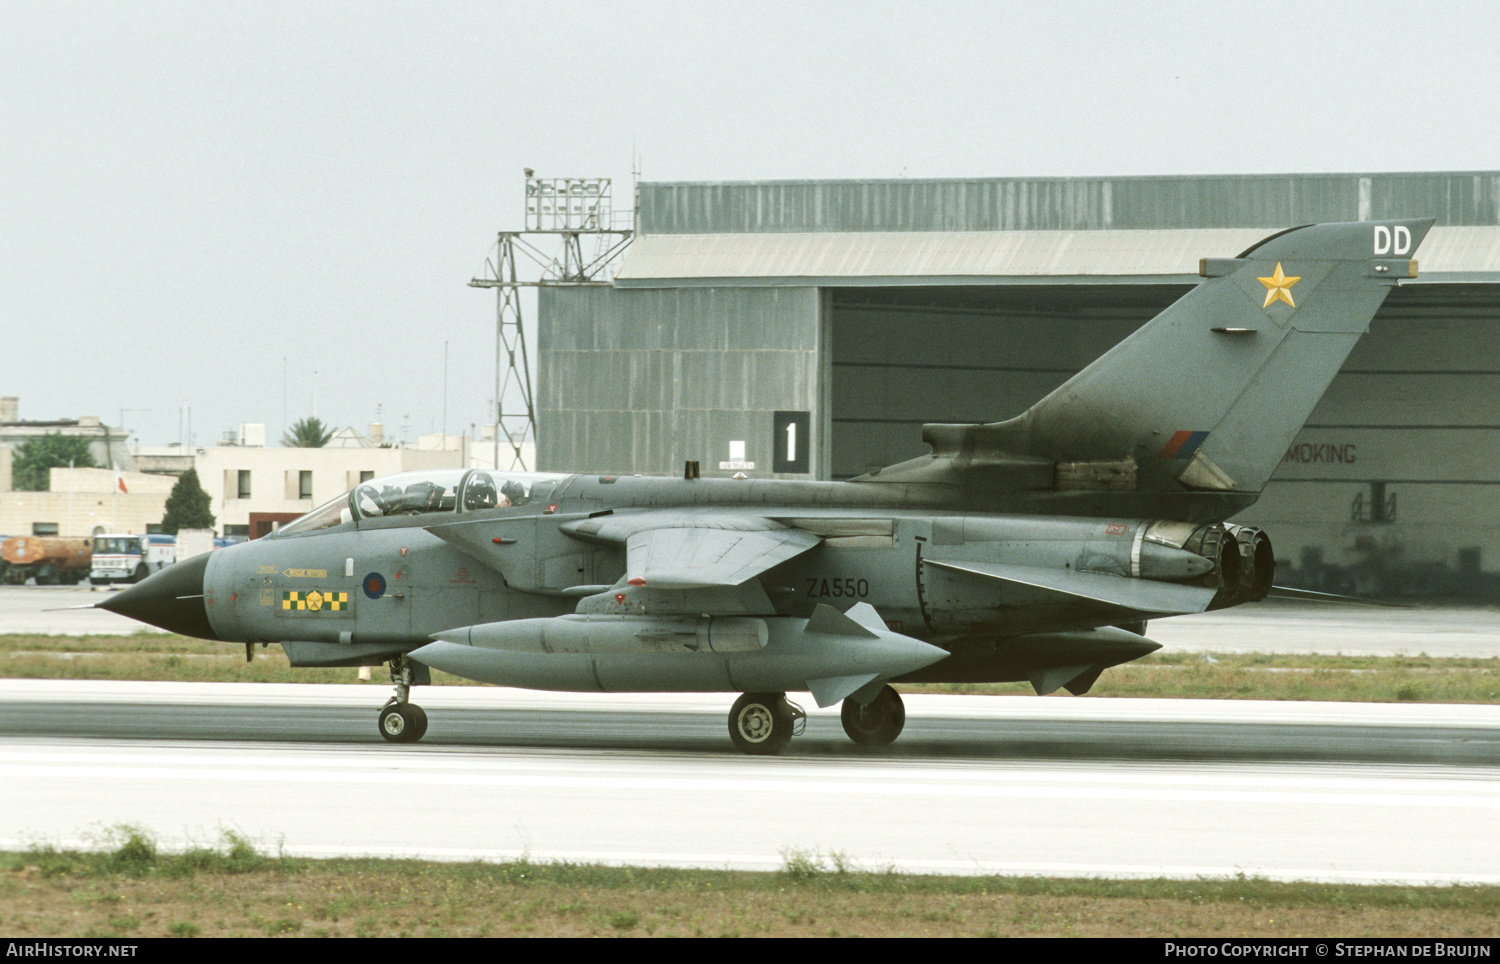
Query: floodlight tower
(560, 213)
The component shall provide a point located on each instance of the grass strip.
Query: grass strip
(129, 888)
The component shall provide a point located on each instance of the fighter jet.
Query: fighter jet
(1032, 549)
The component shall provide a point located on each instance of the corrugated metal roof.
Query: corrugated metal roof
(986, 257)
(1065, 204)
(1467, 252)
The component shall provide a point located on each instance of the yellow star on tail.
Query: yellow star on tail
(1279, 287)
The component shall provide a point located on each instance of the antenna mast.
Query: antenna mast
(560, 213)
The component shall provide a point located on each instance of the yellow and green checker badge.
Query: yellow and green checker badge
(313, 601)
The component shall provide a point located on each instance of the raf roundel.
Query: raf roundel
(374, 585)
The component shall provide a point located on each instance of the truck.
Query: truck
(49, 560)
(125, 557)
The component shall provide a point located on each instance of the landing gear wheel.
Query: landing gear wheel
(418, 720)
(761, 723)
(402, 722)
(878, 722)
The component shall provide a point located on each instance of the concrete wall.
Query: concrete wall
(84, 501)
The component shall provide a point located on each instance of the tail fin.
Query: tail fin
(1208, 395)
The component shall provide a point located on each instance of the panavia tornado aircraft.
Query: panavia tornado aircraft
(1031, 549)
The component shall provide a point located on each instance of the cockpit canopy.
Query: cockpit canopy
(431, 492)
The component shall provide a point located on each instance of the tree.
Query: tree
(187, 506)
(34, 457)
(308, 433)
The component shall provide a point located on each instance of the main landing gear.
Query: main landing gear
(878, 722)
(764, 723)
(402, 721)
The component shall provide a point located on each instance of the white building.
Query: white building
(253, 489)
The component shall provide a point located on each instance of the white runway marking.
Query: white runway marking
(1008, 783)
(1350, 823)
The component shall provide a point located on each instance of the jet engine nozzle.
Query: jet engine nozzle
(1217, 544)
(1244, 562)
(1257, 568)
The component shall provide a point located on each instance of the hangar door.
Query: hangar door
(904, 356)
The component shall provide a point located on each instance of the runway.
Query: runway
(1017, 785)
(976, 728)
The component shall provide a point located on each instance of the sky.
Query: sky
(216, 213)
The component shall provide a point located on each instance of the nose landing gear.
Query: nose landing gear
(402, 721)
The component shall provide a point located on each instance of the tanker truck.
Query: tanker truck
(49, 560)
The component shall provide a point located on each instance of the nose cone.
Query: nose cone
(172, 599)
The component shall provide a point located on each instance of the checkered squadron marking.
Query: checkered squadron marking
(314, 601)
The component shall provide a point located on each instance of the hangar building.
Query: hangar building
(855, 311)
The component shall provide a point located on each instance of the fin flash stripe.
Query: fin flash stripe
(1182, 445)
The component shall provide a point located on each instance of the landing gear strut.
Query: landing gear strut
(764, 723)
(402, 721)
(878, 722)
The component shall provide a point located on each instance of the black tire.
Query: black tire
(398, 724)
(418, 720)
(878, 722)
(761, 723)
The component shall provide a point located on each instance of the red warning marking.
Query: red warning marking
(619, 599)
(1115, 529)
(637, 581)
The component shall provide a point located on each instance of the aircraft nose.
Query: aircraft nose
(171, 599)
